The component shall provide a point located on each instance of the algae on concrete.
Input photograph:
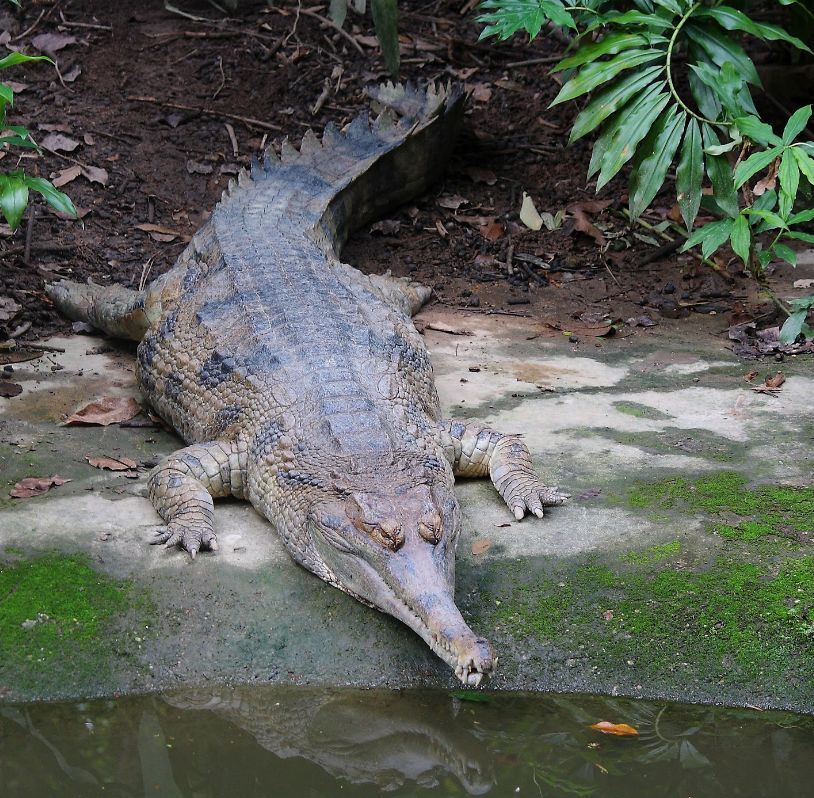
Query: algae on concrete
(60, 623)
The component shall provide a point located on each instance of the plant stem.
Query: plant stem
(670, 46)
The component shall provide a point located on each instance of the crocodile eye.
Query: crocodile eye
(336, 531)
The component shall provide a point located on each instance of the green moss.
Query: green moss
(639, 410)
(748, 514)
(56, 619)
(654, 553)
(734, 619)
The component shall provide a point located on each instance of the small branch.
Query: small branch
(331, 24)
(246, 120)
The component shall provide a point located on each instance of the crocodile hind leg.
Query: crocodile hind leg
(181, 489)
(475, 451)
(114, 309)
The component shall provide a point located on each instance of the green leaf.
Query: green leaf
(593, 75)
(741, 238)
(635, 126)
(796, 125)
(805, 163)
(18, 141)
(789, 178)
(338, 11)
(785, 253)
(728, 86)
(803, 216)
(610, 45)
(6, 94)
(690, 174)
(792, 327)
(754, 163)
(386, 23)
(711, 236)
(630, 18)
(772, 220)
(765, 202)
(55, 198)
(760, 132)
(720, 49)
(732, 19)
(610, 100)
(654, 158)
(13, 198)
(671, 5)
(720, 175)
(12, 59)
(506, 17)
(798, 236)
(708, 103)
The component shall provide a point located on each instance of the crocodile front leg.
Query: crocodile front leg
(475, 451)
(182, 486)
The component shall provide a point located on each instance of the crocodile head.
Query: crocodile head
(395, 550)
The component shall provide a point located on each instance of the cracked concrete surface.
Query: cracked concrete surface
(599, 419)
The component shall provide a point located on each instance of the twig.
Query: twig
(613, 276)
(667, 249)
(323, 97)
(91, 25)
(331, 24)
(706, 261)
(44, 347)
(46, 246)
(31, 28)
(246, 120)
(230, 131)
(184, 57)
(549, 59)
(29, 233)
(222, 78)
(296, 22)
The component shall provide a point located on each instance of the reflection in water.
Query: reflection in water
(308, 742)
(386, 738)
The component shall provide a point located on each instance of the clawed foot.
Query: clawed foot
(527, 492)
(191, 538)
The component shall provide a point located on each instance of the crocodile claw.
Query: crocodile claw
(528, 494)
(191, 538)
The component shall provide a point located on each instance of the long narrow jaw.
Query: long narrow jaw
(412, 591)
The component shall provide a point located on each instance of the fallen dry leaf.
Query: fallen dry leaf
(95, 174)
(442, 231)
(88, 139)
(451, 201)
(617, 729)
(72, 74)
(105, 411)
(8, 308)
(65, 176)
(529, 214)
(478, 175)
(480, 92)
(198, 168)
(16, 86)
(52, 42)
(750, 375)
(776, 381)
(481, 545)
(491, 231)
(607, 615)
(9, 389)
(112, 463)
(59, 143)
(579, 211)
(35, 486)
(804, 283)
(387, 227)
(160, 233)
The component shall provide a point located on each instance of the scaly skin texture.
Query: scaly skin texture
(302, 385)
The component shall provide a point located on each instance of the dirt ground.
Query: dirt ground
(161, 108)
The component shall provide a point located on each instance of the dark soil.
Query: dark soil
(167, 166)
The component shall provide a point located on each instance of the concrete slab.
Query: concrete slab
(681, 568)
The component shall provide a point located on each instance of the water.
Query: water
(302, 742)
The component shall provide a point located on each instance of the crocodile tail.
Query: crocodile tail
(362, 172)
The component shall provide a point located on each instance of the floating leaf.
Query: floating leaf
(617, 729)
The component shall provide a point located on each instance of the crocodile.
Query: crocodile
(302, 385)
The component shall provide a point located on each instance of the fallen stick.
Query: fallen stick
(247, 120)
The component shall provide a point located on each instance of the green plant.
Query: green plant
(385, 21)
(15, 185)
(671, 83)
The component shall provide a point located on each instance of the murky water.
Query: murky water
(303, 742)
